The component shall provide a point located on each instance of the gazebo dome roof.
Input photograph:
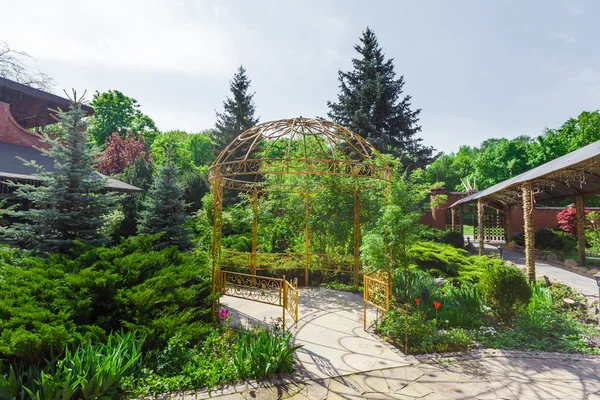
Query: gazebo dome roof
(297, 146)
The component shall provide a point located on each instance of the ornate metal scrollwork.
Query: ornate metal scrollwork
(256, 288)
(377, 289)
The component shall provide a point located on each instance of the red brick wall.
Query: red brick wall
(541, 219)
(436, 218)
(13, 133)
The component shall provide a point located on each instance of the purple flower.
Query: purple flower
(224, 313)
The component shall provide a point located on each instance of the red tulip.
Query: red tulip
(436, 305)
(417, 300)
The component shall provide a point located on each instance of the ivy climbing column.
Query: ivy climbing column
(580, 208)
(481, 227)
(527, 193)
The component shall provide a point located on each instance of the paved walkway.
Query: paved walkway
(330, 330)
(481, 375)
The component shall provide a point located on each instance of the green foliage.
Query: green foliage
(238, 111)
(115, 112)
(164, 210)
(429, 234)
(69, 203)
(506, 290)
(262, 353)
(496, 160)
(46, 304)
(455, 239)
(90, 371)
(547, 324)
(224, 356)
(439, 259)
(371, 103)
(423, 333)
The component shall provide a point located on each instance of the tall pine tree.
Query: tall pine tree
(238, 112)
(69, 203)
(370, 103)
(164, 210)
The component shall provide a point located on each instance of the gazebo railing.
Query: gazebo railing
(274, 291)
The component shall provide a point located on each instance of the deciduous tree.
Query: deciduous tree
(115, 112)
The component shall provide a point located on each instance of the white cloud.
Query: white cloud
(147, 35)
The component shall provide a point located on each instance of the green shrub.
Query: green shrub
(423, 334)
(224, 356)
(455, 239)
(519, 239)
(546, 239)
(261, 352)
(431, 234)
(436, 256)
(506, 289)
(462, 307)
(569, 243)
(49, 303)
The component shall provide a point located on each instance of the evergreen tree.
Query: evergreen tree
(238, 112)
(69, 203)
(164, 210)
(370, 103)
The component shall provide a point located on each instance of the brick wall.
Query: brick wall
(542, 217)
(11, 132)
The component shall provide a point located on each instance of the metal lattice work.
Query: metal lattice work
(305, 147)
(301, 146)
(377, 291)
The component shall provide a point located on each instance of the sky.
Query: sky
(477, 69)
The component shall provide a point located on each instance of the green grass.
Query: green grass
(467, 230)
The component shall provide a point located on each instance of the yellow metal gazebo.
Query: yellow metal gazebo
(303, 147)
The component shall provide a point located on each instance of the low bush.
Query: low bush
(506, 289)
(519, 239)
(423, 334)
(47, 304)
(455, 239)
(439, 259)
(546, 324)
(224, 356)
(431, 234)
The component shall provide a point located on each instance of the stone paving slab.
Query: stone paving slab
(330, 330)
(481, 375)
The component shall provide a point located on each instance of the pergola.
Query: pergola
(572, 176)
(306, 148)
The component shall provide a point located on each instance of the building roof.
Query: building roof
(575, 173)
(13, 168)
(31, 107)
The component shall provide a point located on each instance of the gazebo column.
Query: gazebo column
(481, 228)
(580, 208)
(508, 222)
(253, 260)
(527, 193)
(306, 239)
(453, 216)
(357, 237)
(216, 243)
(461, 219)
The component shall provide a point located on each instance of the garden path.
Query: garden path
(584, 284)
(487, 374)
(330, 330)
